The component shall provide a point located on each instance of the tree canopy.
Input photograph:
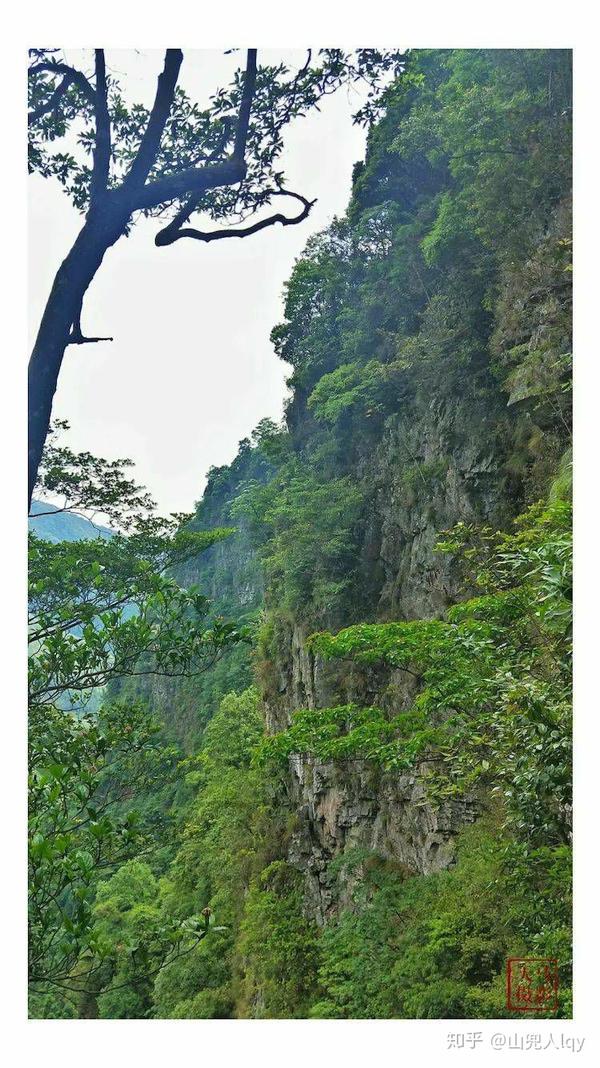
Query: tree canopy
(171, 161)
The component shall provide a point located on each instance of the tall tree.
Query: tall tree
(174, 160)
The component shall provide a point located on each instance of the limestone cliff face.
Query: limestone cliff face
(428, 475)
(429, 355)
(353, 807)
(436, 471)
(462, 452)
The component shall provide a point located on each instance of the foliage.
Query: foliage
(501, 122)
(230, 573)
(280, 946)
(90, 483)
(493, 709)
(83, 632)
(369, 388)
(451, 267)
(436, 947)
(134, 939)
(531, 343)
(346, 731)
(73, 829)
(103, 609)
(193, 135)
(100, 610)
(307, 527)
(428, 338)
(227, 837)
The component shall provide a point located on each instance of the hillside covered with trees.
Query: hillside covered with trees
(330, 776)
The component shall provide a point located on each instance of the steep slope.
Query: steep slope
(428, 334)
(429, 339)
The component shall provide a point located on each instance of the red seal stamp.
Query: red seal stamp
(532, 984)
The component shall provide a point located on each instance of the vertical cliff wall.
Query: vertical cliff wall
(428, 336)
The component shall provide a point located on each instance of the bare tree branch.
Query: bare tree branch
(193, 180)
(193, 201)
(101, 166)
(241, 136)
(197, 180)
(180, 191)
(150, 143)
(76, 337)
(172, 233)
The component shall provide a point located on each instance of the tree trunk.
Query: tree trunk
(64, 305)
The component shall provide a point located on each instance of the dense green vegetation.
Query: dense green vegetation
(409, 529)
(101, 610)
(493, 708)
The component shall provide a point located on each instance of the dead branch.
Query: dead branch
(172, 232)
(76, 337)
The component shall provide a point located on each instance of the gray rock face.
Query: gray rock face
(428, 475)
(349, 807)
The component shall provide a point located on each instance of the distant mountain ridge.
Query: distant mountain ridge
(63, 525)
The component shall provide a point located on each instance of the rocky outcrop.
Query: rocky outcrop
(352, 808)
(442, 468)
(428, 474)
(430, 374)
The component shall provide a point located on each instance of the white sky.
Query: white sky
(191, 370)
